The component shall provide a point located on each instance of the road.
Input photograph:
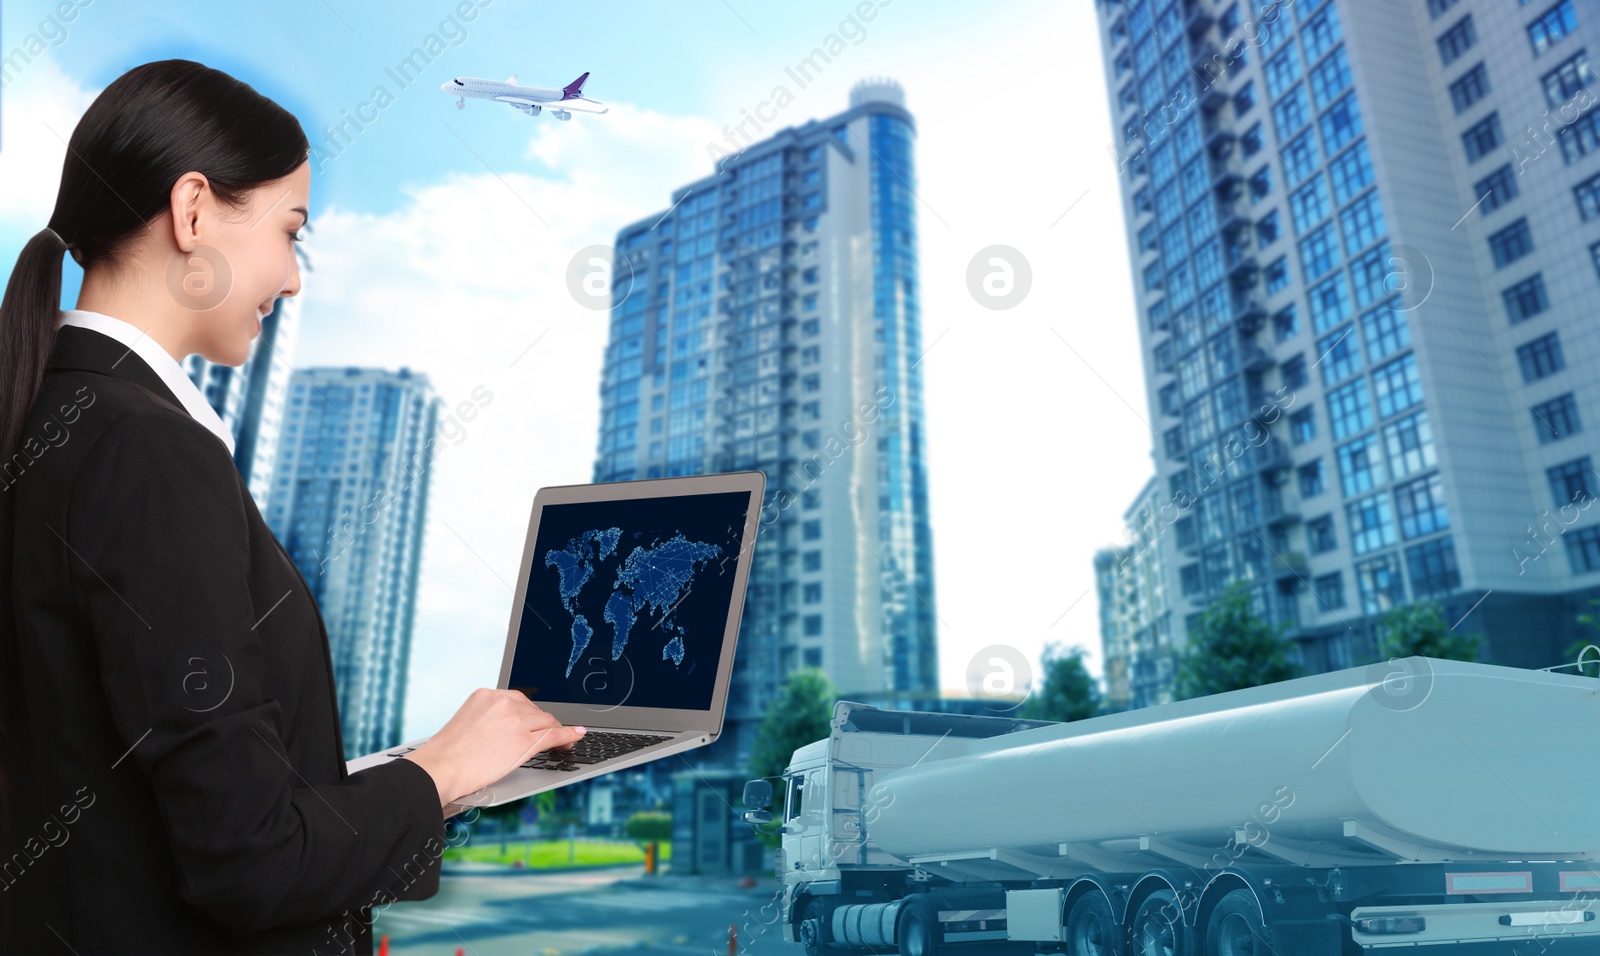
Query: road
(614, 912)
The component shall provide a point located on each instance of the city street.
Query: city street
(488, 911)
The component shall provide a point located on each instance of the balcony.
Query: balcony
(1254, 358)
(1276, 513)
(1288, 564)
(1273, 455)
(1250, 316)
(1197, 18)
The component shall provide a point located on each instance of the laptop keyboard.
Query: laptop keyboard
(593, 747)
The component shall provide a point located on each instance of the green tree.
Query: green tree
(1067, 692)
(1420, 629)
(800, 714)
(1229, 648)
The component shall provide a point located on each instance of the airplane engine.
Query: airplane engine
(461, 103)
(532, 109)
(561, 114)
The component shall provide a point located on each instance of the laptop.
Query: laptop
(626, 615)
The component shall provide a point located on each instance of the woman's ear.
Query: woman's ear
(187, 203)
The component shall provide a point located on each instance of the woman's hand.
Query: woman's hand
(492, 734)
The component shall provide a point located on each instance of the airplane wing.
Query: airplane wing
(551, 105)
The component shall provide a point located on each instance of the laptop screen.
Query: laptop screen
(627, 601)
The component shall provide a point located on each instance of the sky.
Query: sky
(440, 239)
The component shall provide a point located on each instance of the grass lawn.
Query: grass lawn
(555, 854)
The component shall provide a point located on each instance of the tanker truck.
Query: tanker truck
(1416, 804)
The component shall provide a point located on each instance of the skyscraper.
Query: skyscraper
(769, 319)
(249, 398)
(1365, 251)
(349, 497)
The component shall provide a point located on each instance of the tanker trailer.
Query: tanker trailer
(1412, 804)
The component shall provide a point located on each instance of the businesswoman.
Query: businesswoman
(173, 777)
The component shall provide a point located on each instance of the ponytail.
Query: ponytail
(29, 314)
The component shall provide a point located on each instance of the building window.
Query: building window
(1341, 123)
(1360, 465)
(1309, 205)
(1351, 172)
(1290, 113)
(1587, 194)
(1349, 410)
(1276, 274)
(1409, 444)
(1482, 137)
(1302, 426)
(1563, 83)
(811, 561)
(1300, 157)
(813, 656)
(1330, 303)
(1420, 504)
(812, 592)
(1261, 184)
(1540, 358)
(1438, 7)
(1495, 190)
(1380, 584)
(1457, 40)
(1556, 419)
(1432, 568)
(1293, 372)
(1338, 355)
(811, 530)
(1526, 299)
(1572, 481)
(1397, 385)
(1385, 331)
(1511, 243)
(1330, 78)
(1319, 535)
(1371, 523)
(1282, 70)
(1320, 33)
(1583, 549)
(1318, 252)
(1285, 323)
(1311, 480)
(1363, 222)
(1244, 100)
(1470, 88)
(812, 624)
(1551, 25)
(1581, 137)
(1330, 589)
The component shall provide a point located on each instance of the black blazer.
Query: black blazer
(174, 779)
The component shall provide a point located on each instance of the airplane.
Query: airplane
(531, 100)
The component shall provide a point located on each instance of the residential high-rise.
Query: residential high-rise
(1135, 618)
(348, 502)
(768, 319)
(1366, 239)
(249, 398)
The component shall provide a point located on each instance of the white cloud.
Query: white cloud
(38, 112)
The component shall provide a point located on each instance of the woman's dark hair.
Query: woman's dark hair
(151, 125)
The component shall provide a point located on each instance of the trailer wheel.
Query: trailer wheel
(1092, 929)
(811, 932)
(1158, 927)
(1236, 927)
(919, 930)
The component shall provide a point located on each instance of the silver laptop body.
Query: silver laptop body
(580, 598)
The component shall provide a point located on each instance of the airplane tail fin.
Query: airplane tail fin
(574, 90)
